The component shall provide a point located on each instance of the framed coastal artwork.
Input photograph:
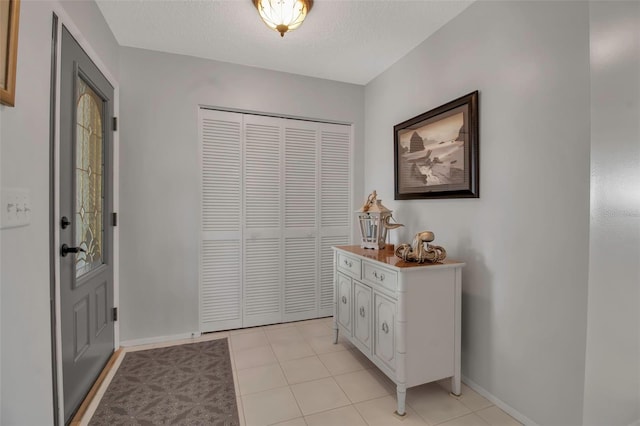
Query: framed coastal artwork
(9, 16)
(436, 153)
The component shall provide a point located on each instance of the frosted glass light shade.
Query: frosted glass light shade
(283, 15)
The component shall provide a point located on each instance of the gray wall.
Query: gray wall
(612, 379)
(25, 357)
(526, 240)
(159, 171)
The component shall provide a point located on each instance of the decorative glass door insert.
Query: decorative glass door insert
(89, 179)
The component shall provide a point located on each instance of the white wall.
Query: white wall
(25, 360)
(159, 171)
(526, 239)
(612, 380)
(24, 142)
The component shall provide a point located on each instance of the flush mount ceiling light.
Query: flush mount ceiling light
(283, 15)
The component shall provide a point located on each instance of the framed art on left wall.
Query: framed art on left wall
(9, 17)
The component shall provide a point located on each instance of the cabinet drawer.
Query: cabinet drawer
(349, 265)
(380, 276)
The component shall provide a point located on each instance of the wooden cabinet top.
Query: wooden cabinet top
(389, 258)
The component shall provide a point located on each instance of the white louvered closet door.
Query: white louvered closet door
(221, 220)
(263, 199)
(301, 291)
(335, 207)
(275, 198)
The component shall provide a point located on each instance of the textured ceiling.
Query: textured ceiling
(349, 41)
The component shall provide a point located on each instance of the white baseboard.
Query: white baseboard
(500, 404)
(159, 339)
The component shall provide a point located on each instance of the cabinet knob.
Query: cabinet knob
(362, 311)
(344, 299)
(348, 263)
(385, 327)
(378, 276)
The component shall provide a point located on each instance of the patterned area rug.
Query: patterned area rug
(189, 384)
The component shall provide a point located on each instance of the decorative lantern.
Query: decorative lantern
(373, 218)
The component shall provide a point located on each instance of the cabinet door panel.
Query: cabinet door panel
(384, 343)
(344, 301)
(362, 314)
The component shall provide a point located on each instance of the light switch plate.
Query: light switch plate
(15, 207)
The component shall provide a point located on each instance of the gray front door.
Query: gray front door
(86, 233)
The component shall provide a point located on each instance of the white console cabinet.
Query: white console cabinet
(405, 317)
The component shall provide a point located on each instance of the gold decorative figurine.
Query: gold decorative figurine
(420, 250)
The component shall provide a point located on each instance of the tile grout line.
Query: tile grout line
(353, 404)
(290, 389)
(293, 393)
(332, 376)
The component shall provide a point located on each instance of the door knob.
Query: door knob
(65, 249)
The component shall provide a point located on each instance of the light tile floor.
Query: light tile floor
(292, 374)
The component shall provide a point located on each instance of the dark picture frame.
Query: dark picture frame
(436, 154)
(9, 17)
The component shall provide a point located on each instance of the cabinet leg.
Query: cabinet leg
(335, 333)
(401, 392)
(455, 385)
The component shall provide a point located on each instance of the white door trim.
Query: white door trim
(65, 19)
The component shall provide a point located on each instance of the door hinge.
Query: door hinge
(114, 219)
(115, 314)
(115, 124)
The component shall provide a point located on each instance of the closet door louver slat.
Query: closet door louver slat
(262, 282)
(300, 292)
(300, 301)
(300, 176)
(262, 175)
(221, 282)
(221, 175)
(263, 221)
(335, 179)
(221, 220)
(335, 211)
